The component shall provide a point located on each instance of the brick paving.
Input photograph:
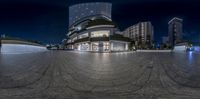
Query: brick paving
(84, 75)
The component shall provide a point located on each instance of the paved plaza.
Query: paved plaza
(83, 75)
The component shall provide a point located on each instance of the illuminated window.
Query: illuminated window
(106, 46)
(75, 38)
(100, 34)
(95, 46)
(83, 46)
(83, 35)
(69, 41)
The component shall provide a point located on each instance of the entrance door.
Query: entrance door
(95, 46)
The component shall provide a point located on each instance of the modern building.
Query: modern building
(91, 29)
(175, 31)
(141, 33)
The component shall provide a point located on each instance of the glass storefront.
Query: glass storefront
(83, 47)
(106, 46)
(104, 33)
(95, 46)
(119, 46)
(101, 46)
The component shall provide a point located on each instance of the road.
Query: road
(83, 75)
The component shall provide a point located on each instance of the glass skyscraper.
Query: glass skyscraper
(80, 11)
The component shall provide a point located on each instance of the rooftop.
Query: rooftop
(175, 18)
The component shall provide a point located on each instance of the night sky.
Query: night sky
(47, 20)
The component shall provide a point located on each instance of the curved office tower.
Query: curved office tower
(91, 29)
(83, 11)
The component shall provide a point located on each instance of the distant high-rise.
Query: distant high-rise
(141, 33)
(175, 31)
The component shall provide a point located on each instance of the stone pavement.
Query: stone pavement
(83, 75)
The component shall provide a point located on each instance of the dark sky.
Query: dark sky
(47, 20)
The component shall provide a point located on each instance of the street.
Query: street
(84, 75)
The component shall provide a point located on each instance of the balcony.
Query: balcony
(100, 22)
(99, 39)
(82, 40)
(119, 38)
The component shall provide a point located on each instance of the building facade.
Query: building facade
(92, 29)
(82, 11)
(175, 31)
(141, 33)
(165, 40)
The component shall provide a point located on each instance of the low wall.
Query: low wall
(20, 48)
(154, 51)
